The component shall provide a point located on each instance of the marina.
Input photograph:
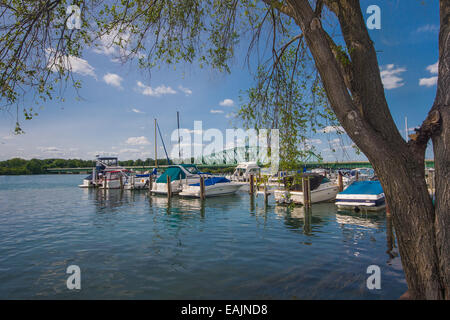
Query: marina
(132, 245)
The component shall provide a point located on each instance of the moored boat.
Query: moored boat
(214, 186)
(183, 174)
(322, 190)
(362, 195)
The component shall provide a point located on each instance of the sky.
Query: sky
(118, 102)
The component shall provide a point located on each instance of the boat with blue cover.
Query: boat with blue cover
(214, 186)
(362, 195)
(180, 175)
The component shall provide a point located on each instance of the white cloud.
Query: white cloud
(428, 82)
(227, 103)
(331, 129)
(186, 91)
(129, 150)
(137, 110)
(434, 68)
(49, 149)
(432, 81)
(134, 141)
(428, 28)
(313, 141)
(56, 61)
(113, 79)
(154, 92)
(216, 111)
(390, 75)
(114, 43)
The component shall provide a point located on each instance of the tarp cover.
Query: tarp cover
(175, 173)
(212, 180)
(364, 187)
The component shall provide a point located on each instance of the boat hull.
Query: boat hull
(324, 193)
(218, 189)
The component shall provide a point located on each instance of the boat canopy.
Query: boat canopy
(211, 181)
(175, 173)
(364, 187)
(192, 168)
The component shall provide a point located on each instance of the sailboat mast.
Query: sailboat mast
(406, 129)
(178, 124)
(156, 142)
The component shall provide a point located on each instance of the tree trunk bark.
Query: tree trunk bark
(441, 145)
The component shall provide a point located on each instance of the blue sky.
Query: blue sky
(119, 102)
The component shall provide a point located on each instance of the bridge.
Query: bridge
(309, 165)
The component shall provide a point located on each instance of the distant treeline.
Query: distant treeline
(18, 166)
(36, 166)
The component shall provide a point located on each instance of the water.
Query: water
(131, 246)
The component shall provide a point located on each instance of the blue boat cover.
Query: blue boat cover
(142, 175)
(364, 187)
(212, 180)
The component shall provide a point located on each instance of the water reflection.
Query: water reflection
(301, 218)
(366, 220)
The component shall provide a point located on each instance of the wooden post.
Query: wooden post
(121, 181)
(357, 176)
(266, 196)
(169, 188)
(305, 193)
(150, 183)
(340, 183)
(202, 188)
(251, 184)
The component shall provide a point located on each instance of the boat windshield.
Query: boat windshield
(192, 170)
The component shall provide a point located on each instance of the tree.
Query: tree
(208, 31)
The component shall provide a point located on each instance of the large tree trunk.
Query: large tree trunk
(441, 145)
(356, 94)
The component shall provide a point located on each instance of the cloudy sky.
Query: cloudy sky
(119, 102)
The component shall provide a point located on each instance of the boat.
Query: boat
(322, 190)
(362, 195)
(105, 174)
(214, 186)
(182, 174)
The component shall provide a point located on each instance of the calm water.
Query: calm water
(131, 246)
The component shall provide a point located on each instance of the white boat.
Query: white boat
(104, 174)
(323, 191)
(214, 186)
(183, 174)
(362, 195)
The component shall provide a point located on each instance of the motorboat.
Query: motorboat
(182, 174)
(362, 195)
(322, 190)
(106, 174)
(214, 186)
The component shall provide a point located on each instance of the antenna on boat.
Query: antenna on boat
(162, 140)
(178, 124)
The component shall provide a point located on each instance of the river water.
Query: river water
(132, 246)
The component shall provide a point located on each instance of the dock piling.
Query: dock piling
(169, 188)
(202, 188)
(251, 191)
(340, 183)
